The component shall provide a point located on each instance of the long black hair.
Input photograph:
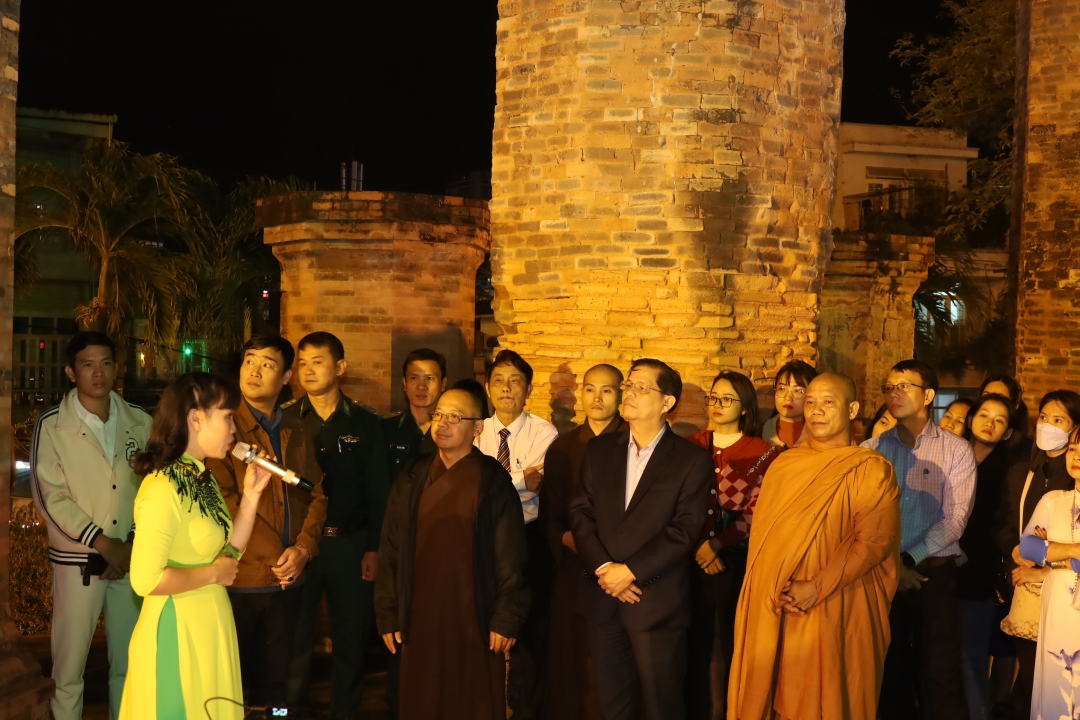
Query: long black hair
(169, 433)
(1002, 400)
(749, 421)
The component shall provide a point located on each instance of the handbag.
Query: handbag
(1026, 608)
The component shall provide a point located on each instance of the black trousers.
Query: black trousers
(336, 571)
(265, 632)
(711, 642)
(639, 675)
(1025, 677)
(922, 666)
(525, 686)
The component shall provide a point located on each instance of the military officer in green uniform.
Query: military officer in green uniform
(351, 451)
(408, 432)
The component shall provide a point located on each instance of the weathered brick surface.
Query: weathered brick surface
(24, 693)
(385, 272)
(867, 324)
(1048, 305)
(662, 178)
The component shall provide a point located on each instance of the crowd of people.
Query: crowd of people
(761, 568)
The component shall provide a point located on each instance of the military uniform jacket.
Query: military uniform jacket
(79, 491)
(351, 451)
(404, 441)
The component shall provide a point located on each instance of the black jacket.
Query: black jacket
(654, 536)
(1049, 474)
(502, 596)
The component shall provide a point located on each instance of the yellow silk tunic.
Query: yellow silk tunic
(172, 531)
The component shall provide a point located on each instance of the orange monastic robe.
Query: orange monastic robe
(830, 515)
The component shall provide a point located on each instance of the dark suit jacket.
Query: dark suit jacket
(654, 536)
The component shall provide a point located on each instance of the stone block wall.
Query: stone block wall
(385, 272)
(663, 174)
(867, 322)
(1048, 302)
(24, 693)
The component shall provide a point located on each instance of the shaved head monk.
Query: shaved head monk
(813, 619)
(450, 594)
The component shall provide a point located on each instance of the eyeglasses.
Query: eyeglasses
(724, 402)
(639, 387)
(902, 387)
(450, 418)
(795, 390)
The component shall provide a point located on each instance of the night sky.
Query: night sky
(282, 89)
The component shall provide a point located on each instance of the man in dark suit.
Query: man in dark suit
(636, 517)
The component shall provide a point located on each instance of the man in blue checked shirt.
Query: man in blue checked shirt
(936, 472)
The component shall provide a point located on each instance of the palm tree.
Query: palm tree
(227, 265)
(122, 210)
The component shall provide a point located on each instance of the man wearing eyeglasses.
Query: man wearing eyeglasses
(450, 594)
(637, 518)
(936, 472)
(519, 441)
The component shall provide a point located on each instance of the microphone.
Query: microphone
(244, 452)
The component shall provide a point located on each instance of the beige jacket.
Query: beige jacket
(79, 491)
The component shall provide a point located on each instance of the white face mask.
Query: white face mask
(1049, 437)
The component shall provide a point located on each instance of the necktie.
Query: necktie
(504, 449)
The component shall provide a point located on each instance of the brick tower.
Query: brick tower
(662, 177)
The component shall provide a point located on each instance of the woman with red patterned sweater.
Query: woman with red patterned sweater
(741, 458)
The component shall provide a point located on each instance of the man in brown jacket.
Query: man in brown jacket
(265, 595)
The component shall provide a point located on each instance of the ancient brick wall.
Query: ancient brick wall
(24, 693)
(1048, 303)
(385, 272)
(867, 323)
(662, 177)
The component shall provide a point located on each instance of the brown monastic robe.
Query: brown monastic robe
(570, 689)
(830, 515)
(447, 670)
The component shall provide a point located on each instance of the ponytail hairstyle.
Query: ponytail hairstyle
(169, 433)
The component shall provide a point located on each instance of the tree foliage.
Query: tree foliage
(121, 210)
(168, 246)
(965, 82)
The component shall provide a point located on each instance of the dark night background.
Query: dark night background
(280, 89)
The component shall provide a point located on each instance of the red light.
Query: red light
(266, 294)
(41, 345)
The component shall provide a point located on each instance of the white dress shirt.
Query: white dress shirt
(528, 442)
(104, 432)
(636, 461)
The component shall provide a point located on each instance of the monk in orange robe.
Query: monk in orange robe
(812, 624)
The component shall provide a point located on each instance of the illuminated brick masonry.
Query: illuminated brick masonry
(663, 174)
(385, 272)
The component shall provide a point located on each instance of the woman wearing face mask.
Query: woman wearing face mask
(741, 459)
(1025, 485)
(1052, 541)
(955, 418)
(992, 419)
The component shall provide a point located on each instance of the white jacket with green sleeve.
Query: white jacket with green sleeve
(79, 491)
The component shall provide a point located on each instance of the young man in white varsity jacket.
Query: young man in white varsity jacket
(84, 487)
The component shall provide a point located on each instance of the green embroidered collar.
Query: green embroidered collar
(196, 484)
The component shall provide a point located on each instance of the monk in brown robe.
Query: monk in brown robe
(571, 682)
(450, 592)
(813, 617)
